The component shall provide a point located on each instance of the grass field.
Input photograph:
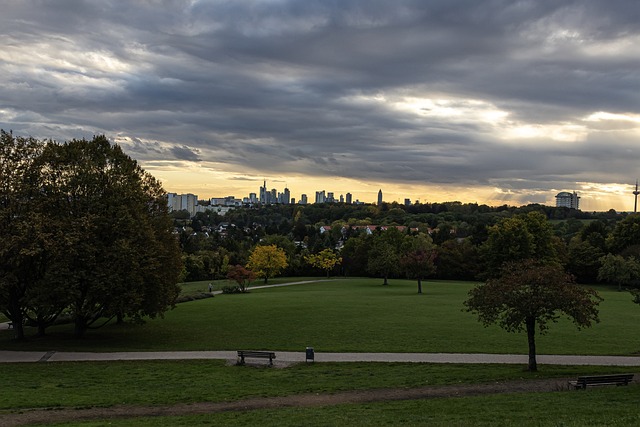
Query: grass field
(83, 384)
(604, 407)
(342, 315)
(351, 315)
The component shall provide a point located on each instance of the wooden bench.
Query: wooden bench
(594, 380)
(256, 354)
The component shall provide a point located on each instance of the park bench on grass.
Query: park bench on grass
(257, 354)
(593, 380)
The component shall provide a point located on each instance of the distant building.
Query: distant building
(182, 202)
(380, 197)
(349, 198)
(303, 199)
(320, 197)
(330, 197)
(407, 202)
(263, 193)
(225, 201)
(565, 199)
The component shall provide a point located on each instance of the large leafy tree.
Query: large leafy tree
(384, 260)
(528, 296)
(417, 259)
(118, 256)
(24, 241)
(267, 261)
(325, 260)
(625, 234)
(384, 255)
(525, 236)
(619, 270)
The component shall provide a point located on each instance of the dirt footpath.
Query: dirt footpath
(34, 416)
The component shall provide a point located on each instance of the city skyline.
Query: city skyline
(495, 102)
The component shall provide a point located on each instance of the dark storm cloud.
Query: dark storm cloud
(326, 87)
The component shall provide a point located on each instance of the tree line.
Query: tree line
(466, 240)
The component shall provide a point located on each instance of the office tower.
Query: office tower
(303, 199)
(286, 199)
(320, 196)
(263, 193)
(349, 198)
(567, 200)
(380, 197)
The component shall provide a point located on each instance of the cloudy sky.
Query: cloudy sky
(488, 101)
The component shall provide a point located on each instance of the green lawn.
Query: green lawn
(351, 315)
(342, 315)
(603, 407)
(81, 384)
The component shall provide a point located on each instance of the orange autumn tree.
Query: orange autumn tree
(267, 261)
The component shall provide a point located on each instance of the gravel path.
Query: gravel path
(284, 357)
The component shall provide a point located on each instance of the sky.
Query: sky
(488, 101)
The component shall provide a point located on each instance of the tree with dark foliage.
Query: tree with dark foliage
(528, 296)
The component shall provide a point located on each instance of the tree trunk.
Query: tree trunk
(265, 279)
(385, 281)
(531, 336)
(419, 285)
(41, 329)
(80, 327)
(18, 330)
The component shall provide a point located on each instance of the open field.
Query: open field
(82, 384)
(610, 407)
(341, 315)
(83, 391)
(350, 315)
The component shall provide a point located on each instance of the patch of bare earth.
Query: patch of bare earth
(34, 416)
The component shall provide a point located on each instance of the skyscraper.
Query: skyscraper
(349, 198)
(263, 193)
(380, 197)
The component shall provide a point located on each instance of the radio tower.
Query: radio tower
(635, 193)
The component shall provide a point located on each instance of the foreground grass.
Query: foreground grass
(352, 315)
(598, 407)
(88, 384)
